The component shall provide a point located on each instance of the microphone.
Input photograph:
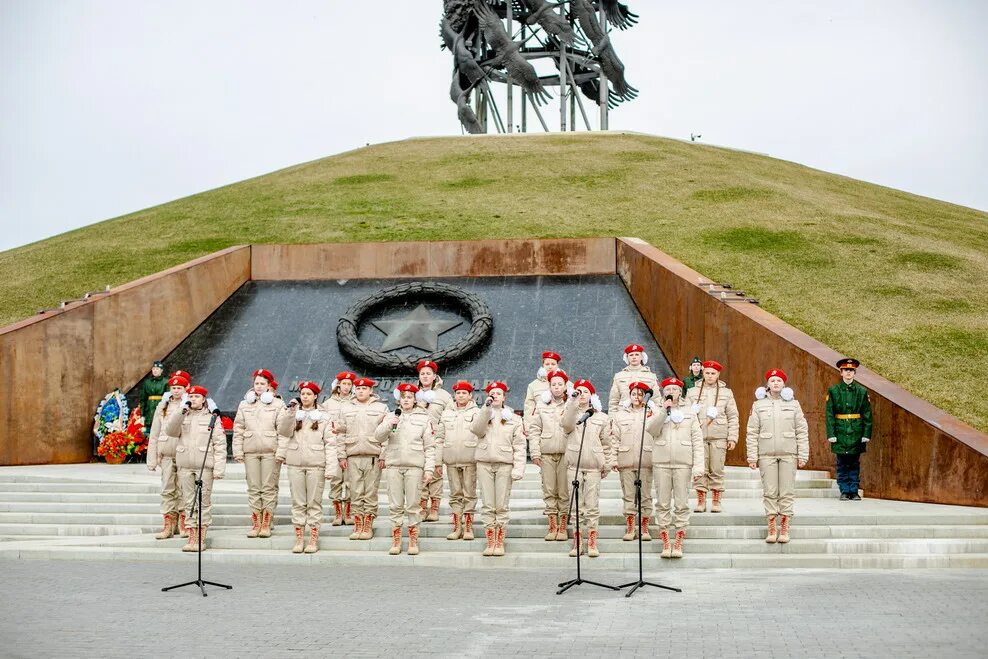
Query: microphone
(648, 395)
(586, 415)
(394, 426)
(490, 401)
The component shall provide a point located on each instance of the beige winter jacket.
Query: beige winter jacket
(500, 439)
(622, 381)
(440, 400)
(333, 405)
(599, 444)
(456, 445)
(160, 444)
(676, 443)
(355, 427)
(308, 446)
(411, 444)
(255, 429)
(545, 432)
(628, 423)
(195, 440)
(717, 411)
(777, 427)
(532, 395)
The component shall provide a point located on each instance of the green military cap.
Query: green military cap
(696, 360)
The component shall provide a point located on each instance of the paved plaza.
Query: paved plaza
(117, 609)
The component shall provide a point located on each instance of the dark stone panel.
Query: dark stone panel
(290, 329)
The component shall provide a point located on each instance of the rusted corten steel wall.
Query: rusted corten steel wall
(55, 368)
(918, 452)
(478, 258)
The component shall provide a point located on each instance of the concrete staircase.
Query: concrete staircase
(93, 511)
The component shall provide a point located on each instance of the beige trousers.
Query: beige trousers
(404, 485)
(555, 483)
(336, 490)
(262, 473)
(713, 471)
(589, 497)
(187, 484)
(462, 488)
(171, 493)
(778, 484)
(672, 486)
(307, 485)
(434, 489)
(495, 491)
(365, 479)
(628, 491)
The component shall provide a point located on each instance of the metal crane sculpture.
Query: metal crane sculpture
(503, 41)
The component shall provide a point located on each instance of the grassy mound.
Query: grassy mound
(897, 280)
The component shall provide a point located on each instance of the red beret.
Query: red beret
(406, 386)
(586, 384)
(183, 374)
(552, 355)
(463, 385)
(668, 381)
(714, 365)
(364, 382)
(267, 375)
(178, 381)
(639, 385)
(496, 385)
(634, 347)
(776, 372)
(308, 384)
(198, 389)
(345, 375)
(557, 373)
(425, 363)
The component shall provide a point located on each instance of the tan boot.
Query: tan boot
(255, 525)
(192, 544)
(347, 514)
(367, 530)
(499, 542)
(784, 529)
(266, 521)
(468, 526)
(395, 541)
(313, 545)
(168, 530)
(553, 529)
(773, 534)
(577, 545)
(433, 512)
(490, 533)
(457, 531)
(562, 530)
(183, 530)
(646, 536)
(337, 513)
(413, 540)
(715, 505)
(299, 542)
(701, 502)
(424, 508)
(592, 550)
(629, 528)
(666, 547)
(677, 547)
(358, 525)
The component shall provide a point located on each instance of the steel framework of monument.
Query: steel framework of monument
(502, 41)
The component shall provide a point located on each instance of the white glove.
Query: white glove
(865, 440)
(712, 412)
(832, 440)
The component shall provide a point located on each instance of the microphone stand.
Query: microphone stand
(575, 497)
(635, 585)
(198, 502)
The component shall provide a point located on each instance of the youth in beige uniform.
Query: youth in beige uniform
(306, 443)
(340, 393)
(636, 371)
(255, 441)
(434, 399)
(714, 405)
(500, 461)
(629, 422)
(592, 464)
(677, 461)
(161, 453)
(533, 394)
(358, 454)
(408, 449)
(778, 443)
(547, 445)
(199, 435)
(456, 448)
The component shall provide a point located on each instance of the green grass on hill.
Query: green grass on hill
(899, 281)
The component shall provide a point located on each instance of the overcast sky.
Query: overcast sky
(110, 106)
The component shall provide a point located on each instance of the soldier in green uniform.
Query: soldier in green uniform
(152, 389)
(694, 375)
(848, 427)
